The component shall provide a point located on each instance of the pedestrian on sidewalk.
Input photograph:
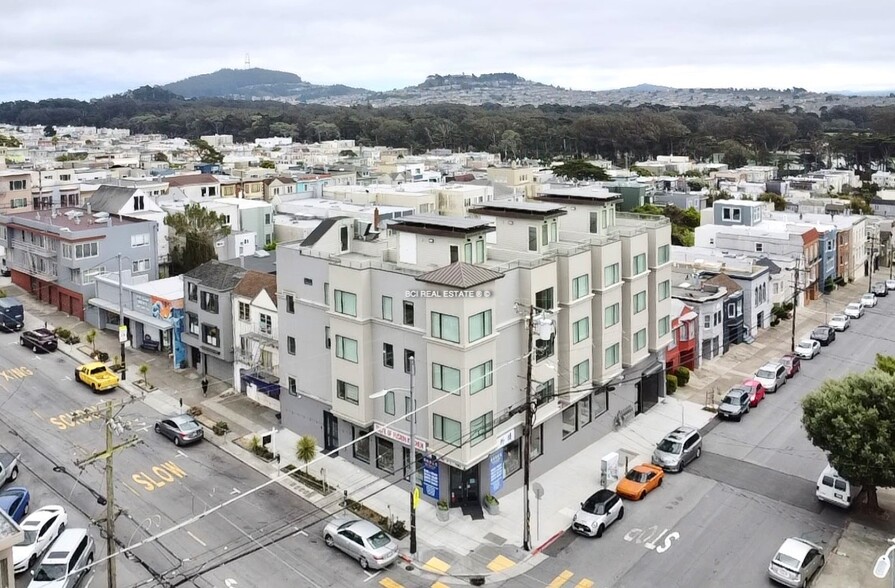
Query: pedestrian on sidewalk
(205, 386)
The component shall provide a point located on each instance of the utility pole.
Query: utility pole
(795, 303)
(122, 328)
(870, 266)
(107, 454)
(413, 489)
(526, 435)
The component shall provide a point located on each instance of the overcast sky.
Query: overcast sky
(55, 48)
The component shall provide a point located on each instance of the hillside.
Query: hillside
(255, 83)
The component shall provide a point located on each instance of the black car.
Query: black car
(5, 271)
(182, 429)
(824, 335)
(880, 289)
(39, 340)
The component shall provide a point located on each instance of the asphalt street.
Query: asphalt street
(270, 537)
(720, 521)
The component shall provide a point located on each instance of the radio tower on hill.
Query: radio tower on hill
(248, 62)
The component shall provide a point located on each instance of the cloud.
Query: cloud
(56, 48)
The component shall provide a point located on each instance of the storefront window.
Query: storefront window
(385, 455)
(599, 403)
(584, 414)
(361, 446)
(569, 420)
(537, 441)
(512, 458)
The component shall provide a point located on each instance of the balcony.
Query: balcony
(37, 267)
(43, 251)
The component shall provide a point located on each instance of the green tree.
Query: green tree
(9, 141)
(641, 171)
(852, 419)
(206, 152)
(510, 143)
(579, 169)
(267, 164)
(160, 157)
(778, 200)
(194, 232)
(49, 131)
(306, 449)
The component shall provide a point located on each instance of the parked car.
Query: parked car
(755, 389)
(41, 528)
(796, 562)
(807, 348)
(771, 376)
(363, 541)
(73, 550)
(839, 322)
(793, 364)
(824, 335)
(833, 488)
(5, 271)
(734, 404)
(182, 429)
(598, 512)
(880, 289)
(890, 284)
(9, 467)
(96, 375)
(640, 481)
(854, 310)
(16, 501)
(677, 449)
(868, 299)
(39, 340)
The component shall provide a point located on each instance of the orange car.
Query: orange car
(639, 480)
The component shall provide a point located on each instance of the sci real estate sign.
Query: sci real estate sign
(430, 476)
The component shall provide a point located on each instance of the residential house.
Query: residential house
(55, 188)
(208, 335)
(251, 189)
(153, 312)
(445, 300)
(707, 300)
(194, 187)
(520, 179)
(10, 535)
(278, 186)
(56, 256)
(15, 190)
(256, 338)
(682, 350)
(734, 313)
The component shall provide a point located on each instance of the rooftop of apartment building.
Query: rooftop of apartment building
(71, 219)
(217, 275)
(690, 286)
(305, 206)
(570, 194)
(191, 180)
(243, 202)
(840, 221)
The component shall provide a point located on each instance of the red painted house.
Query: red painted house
(682, 351)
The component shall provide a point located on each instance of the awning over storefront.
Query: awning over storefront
(131, 314)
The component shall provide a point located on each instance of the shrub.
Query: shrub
(62, 333)
(398, 529)
(102, 356)
(194, 411)
(683, 376)
(443, 505)
(220, 428)
(670, 384)
(491, 500)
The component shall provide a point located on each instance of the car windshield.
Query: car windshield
(188, 426)
(378, 540)
(731, 399)
(29, 538)
(50, 572)
(854, 306)
(669, 446)
(766, 374)
(635, 476)
(839, 317)
(788, 562)
(594, 507)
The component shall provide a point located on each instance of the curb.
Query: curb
(548, 542)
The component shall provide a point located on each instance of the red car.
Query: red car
(756, 391)
(793, 364)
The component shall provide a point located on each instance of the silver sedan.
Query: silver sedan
(363, 541)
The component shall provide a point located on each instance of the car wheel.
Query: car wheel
(641, 497)
(600, 531)
(89, 559)
(363, 563)
(328, 539)
(659, 483)
(698, 452)
(177, 441)
(21, 342)
(14, 474)
(32, 560)
(27, 507)
(34, 349)
(158, 429)
(621, 511)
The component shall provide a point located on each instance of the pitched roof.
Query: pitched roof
(320, 230)
(192, 180)
(216, 275)
(726, 281)
(460, 275)
(253, 282)
(773, 267)
(110, 199)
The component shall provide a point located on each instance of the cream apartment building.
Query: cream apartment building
(453, 294)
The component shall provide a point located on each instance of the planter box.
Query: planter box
(492, 508)
(443, 515)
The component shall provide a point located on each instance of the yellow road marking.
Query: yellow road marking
(560, 579)
(389, 583)
(439, 585)
(500, 563)
(436, 565)
(584, 583)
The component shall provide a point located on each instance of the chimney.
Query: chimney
(89, 208)
(376, 218)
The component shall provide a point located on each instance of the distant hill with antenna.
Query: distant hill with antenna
(255, 83)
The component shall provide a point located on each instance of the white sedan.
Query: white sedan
(868, 299)
(854, 310)
(890, 284)
(41, 528)
(807, 348)
(839, 322)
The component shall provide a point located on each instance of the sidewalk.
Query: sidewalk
(450, 552)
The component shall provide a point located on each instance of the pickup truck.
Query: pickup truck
(9, 467)
(97, 376)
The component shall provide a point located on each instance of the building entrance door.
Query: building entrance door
(330, 431)
(464, 486)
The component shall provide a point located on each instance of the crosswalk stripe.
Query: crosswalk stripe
(561, 579)
(439, 585)
(389, 583)
(584, 583)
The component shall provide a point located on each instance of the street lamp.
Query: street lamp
(380, 394)
(884, 563)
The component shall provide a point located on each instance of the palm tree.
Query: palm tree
(306, 450)
(144, 371)
(91, 338)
